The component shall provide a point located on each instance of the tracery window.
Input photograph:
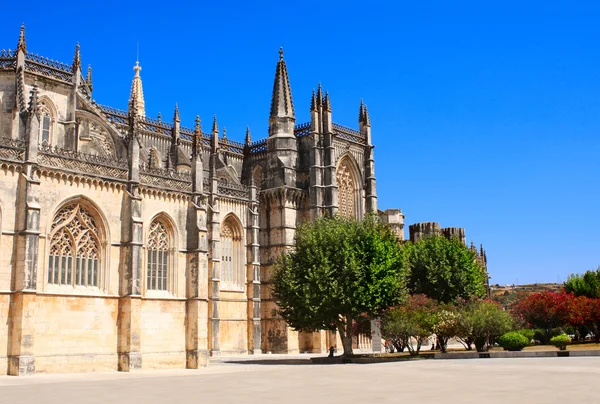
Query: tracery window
(158, 256)
(45, 124)
(347, 190)
(75, 247)
(232, 256)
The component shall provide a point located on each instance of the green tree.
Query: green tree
(411, 321)
(339, 270)
(487, 322)
(587, 285)
(443, 269)
(447, 325)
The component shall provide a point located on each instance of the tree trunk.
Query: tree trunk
(345, 330)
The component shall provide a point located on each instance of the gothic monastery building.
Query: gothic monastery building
(130, 242)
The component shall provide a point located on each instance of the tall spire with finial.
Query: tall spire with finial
(215, 134)
(366, 118)
(88, 79)
(197, 139)
(22, 45)
(313, 102)
(176, 114)
(282, 105)
(361, 112)
(136, 91)
(327, 102)
(76, 60)
(248, 137)
(319, 96)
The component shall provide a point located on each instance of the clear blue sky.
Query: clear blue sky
(484, 116)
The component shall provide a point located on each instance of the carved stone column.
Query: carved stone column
(253, 274)
(21, 328)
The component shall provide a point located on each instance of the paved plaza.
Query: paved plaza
(530, 380)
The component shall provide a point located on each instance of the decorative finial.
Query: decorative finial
(224, 134)
(22, 45)
(313, 102)
(361, 111)
(215, 127)
(159, 117)
(366, 118)
(176, 114)
(248, 137)
(327, 102)
(88, 79)
(76, 59)
(281, 53)
(198, 126)
(319, 95)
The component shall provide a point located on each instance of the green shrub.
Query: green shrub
(560, 341)
(544, 336)
(527, 333)
(513, 341)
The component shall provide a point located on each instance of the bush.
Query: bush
(560, 341)
(544, 336)
(513, 341)
(527, 333)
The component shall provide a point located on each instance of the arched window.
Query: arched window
(257, 177)
(45, 124)
(232, 256)
(348, 190)
(158, 256)
(75, 247)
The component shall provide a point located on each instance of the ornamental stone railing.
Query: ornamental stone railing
(12, 149)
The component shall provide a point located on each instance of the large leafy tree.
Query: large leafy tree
(587, 284)
(545, 310)
(486, 322)
(443, 269)
(339, 270)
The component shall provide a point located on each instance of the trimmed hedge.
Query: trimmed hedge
(513, 341)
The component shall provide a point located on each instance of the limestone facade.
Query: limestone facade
(129, 242)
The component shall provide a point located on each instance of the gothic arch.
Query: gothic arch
(154, 159)
(350, 189)
(48, 116)
(233, 254)
(161, 254)
(257, 176)
(77, 245)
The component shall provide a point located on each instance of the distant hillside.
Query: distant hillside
(510, 294)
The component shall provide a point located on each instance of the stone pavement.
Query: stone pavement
(530, 380)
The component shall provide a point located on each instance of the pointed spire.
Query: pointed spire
(176, 114)
(215, 127)
(22, 45)
(197, 138)
(248, 137)
(366, 118)
(137, 92)
(215, 134)
(88, 79)
(282, 105)
(313, 102)
(319, 96)
(198, 126)
(361, 112)
(76, 59)
(327, 102)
